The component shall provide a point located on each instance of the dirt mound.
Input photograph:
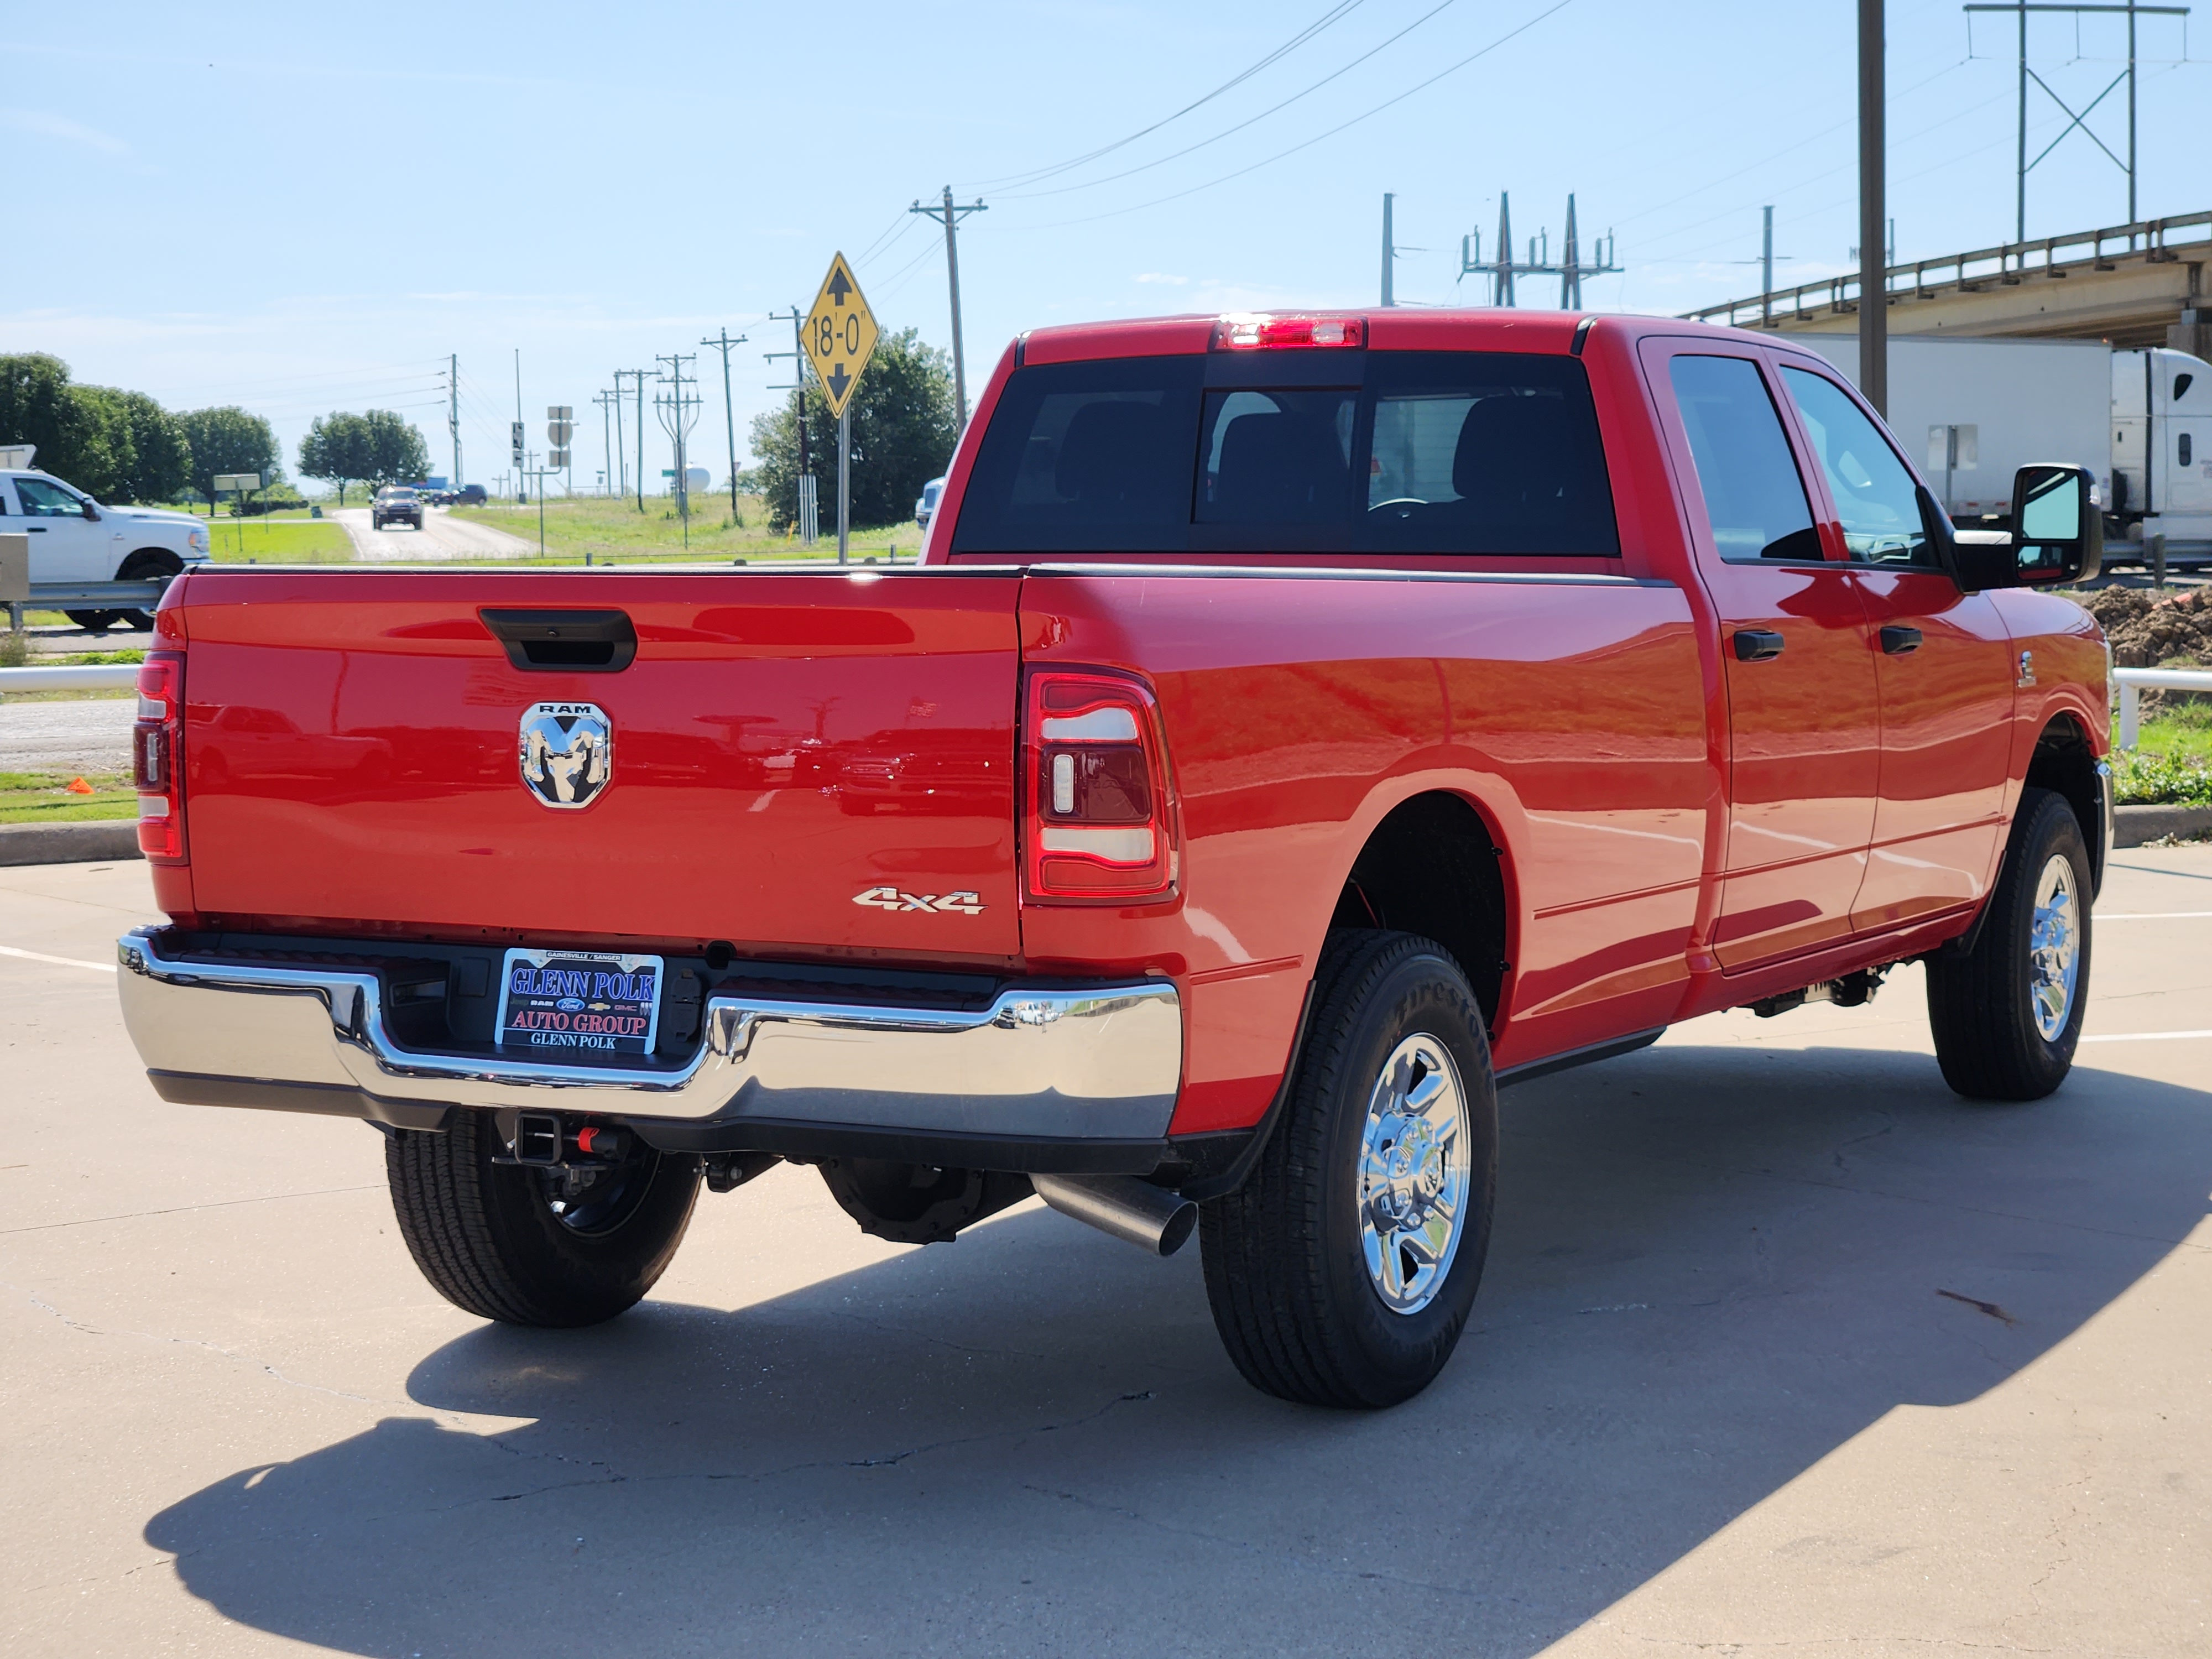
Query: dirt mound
(2148, 631)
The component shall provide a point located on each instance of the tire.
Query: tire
(143, 566)
(486, 1236)
(1295, 1275)
(93, 622)
(2008, 1014)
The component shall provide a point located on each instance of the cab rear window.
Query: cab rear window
(1407, 452)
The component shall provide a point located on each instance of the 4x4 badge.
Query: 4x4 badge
(891, 898)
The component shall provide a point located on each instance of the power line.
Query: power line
(1335, 14)
(1510, 34)
(1127, 173)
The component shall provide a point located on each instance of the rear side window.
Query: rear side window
(1087, 458)
(1424, 453)
(1754, 500)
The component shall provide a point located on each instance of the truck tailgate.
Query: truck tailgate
(816, 761)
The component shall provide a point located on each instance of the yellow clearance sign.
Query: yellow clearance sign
(841, 335)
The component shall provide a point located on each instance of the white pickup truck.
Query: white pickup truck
(76, 541)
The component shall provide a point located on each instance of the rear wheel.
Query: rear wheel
(145, 566)
(2007, 1015)
(95, 621)
(529, 1246)
(1342, 1272)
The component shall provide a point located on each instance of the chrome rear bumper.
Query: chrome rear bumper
(1041, 1063)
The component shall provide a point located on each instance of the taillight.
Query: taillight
(1249, 330)
(157, 757)
(1100, 818)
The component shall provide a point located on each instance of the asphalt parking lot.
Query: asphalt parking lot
(1782, 1347)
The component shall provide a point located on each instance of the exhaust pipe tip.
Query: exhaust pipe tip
(1152, 1218)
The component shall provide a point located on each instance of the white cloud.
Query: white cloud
(60, 126)
(1161, 276)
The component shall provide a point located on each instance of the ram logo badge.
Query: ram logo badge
(568, 752)
(891, 898)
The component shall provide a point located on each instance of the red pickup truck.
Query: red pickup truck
(1303, 727)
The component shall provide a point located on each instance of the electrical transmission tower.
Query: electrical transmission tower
(678, 412)
(722, 342)
(1571, 268)
(949, 216)
(2074, 118)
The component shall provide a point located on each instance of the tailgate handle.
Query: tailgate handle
(565, 641)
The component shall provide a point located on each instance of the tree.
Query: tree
(161, 466)
(37, 405)
(336, 450)
(227, 440)
(904, 428)
(396, 453)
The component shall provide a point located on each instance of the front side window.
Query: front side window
(42, 500)
(1754, 500)
(1877, 503)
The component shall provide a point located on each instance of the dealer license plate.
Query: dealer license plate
(585, 1007)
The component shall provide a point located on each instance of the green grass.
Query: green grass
(280, 539)
(614, 532)
(2172, 762)
(35, 797)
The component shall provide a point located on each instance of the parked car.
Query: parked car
(470, 495)
(75, 539)
(396, 504)
(1304, 726)
(927, 505)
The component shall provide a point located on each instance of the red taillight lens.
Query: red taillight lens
(1253, 330)
(157, 757)
(1099, 818)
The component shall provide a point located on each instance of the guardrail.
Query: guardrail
(2133, 682)
(70, 677)
(88, 596)
(2155, 241)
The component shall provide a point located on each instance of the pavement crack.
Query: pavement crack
(235, 1358)
(188, 1209)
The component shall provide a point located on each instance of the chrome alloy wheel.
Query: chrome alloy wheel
(2054, 948)
(1414, 1173)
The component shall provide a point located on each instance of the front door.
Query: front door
(1804, 738)
(65, 545)
(1944, 662)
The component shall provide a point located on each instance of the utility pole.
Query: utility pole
(678, 415)
(949, 216)
(636, 375)
(798, 389)
(606, 400)
(1766, 267)
(454, 411)
(722, 342)
(1389, 250)
(1873, 264)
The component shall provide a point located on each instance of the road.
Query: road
(1783, 1349)
(88, 735)
(442, 538)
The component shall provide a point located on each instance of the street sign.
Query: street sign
(841, 335)
(559, 426)
(558, 460)
(518, 443)
(235, 482)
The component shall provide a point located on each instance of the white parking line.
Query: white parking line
(2147, 1036)
(2150, 915)
(64, 962)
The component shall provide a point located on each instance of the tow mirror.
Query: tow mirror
(2057, 534)
(2057, 530)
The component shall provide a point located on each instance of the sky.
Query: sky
(301, 210)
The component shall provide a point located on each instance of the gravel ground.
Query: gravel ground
(91, 735)
(441, 538)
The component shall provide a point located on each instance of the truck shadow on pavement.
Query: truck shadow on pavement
(1712, 1268)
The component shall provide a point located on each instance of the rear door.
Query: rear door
(1942, 659)
(1803, 720)
(813, 763)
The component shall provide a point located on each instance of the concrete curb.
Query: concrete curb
(97, 841)
(2134, 825)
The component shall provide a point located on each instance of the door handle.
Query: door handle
(1898, 641)
(1757, 644)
